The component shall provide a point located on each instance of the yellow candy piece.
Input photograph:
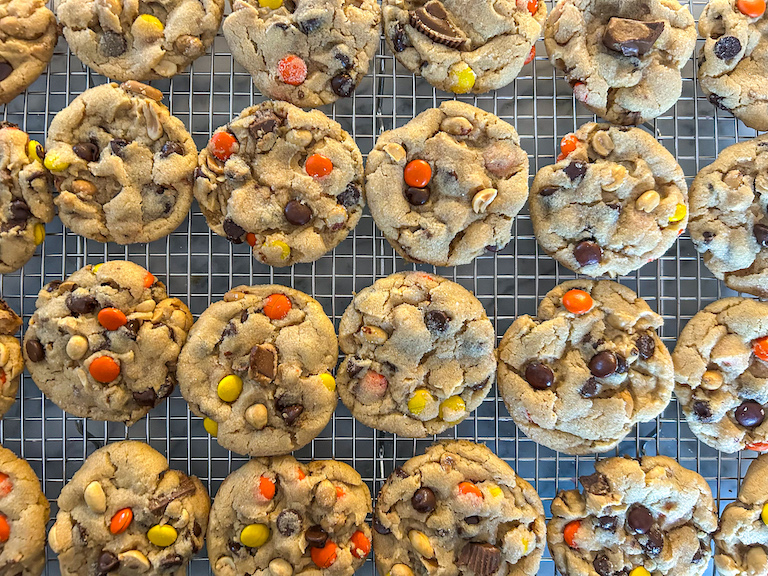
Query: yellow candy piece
(680, 212)
(254, 535)
(639, 571)
(462, 78)
(496, 491)
(39, 233)
(147, 28)
(230, 387)
(764, 514)
(96, 267)
(162, 535)
(32, 147)
(271, 4)
(55, 163)
(328, 381)
(285, 249)
(452, 409)
(526, 544)
(419, 401)
(211, 426)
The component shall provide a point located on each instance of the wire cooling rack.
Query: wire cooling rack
(199, 267)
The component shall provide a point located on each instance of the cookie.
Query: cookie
(308, 52)
(11, 359)
(286, 181)
(26, 197)
(741, 540)
(139, 39)
(122, 164)
(288, 518)
(419, 354)
(634, 517)
(733, 60)
(464, 46)
(447, 186)
(458, 509)
(257, 368)
(615, 200)
(721, 374)
(623, 58)
(124, 512)
(729, 226)
(104, 343)
(28, 35)
(580, 375)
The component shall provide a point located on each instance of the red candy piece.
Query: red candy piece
(758, 446)
(251, 239)
(6, 485)
(569, 533)
(318, 166)
(533, 6)
(293, 70)
(222, 145)
(361, 546)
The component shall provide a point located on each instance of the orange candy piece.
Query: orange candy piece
(5, 528)
(569, 533)
(293, 70)
(758, 446)
(577, 301)
(568, 144)
(340, 492)
(751, 8)
(251, 239)
(300, 474)
(760, 348)
(533, 6)
(318, 166)
(222, 145)
(417, 173)
(104, 369)
(149, 279)
(277, 306)
(267, 488)
(111, 318)
(467, 489)
(361, 546)
(6, 485)
(531, 56)
(120, 521)
(325, 556)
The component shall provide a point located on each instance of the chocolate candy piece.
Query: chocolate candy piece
(646, 346)
(169, 148)
(87, 151)
(655, 542)
(761, 234)
(480, 557)
(263, 360)
(291, 413)
(5, 70)
(702, 410)
(264, 122)
(117, 146)
(297, 213)
(288, 522)
(81, 304)
(587, 252)
(379, 527)
(603, 364)
(602, 565)
(234, 232)
(350, 197)
(596, 483)
(424, 500)
(112, 45)
(590, 388)
(316, 537)
(35, 350)
(146, 397)
(639, 519)
(436, 321)
(608, 523)
(749, 414)
(539, 375)
(472, 520)
(107, 562)
(432, 21)
(727, 47)
(631, 37)
(343, 85)
(575, 170)
(416, 196)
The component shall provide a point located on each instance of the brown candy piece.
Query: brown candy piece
(263, 361)
(480, 557)
(297, 213)
(432, 21)
(631, 37)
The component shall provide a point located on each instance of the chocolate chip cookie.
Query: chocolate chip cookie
(634, 517)
(733, 59)
(622, 57)
(615, 200)
(28, 34)
(103, 344)
(419, 354)
(286, 181)
(579, 376)
(124, 512)
(308, 52)
(458, 509)
(288, 518)
(464, 45)
(11, 359)
(257, 368)
(447, 186)
(26, 197)
(122, 164)
(741, 541)
(729, 226)
(139, 39)
(721, 374)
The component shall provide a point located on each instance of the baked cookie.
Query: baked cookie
(729, 226)
(622, 57)
(464, 46)
(447, 185)
(103, 344)
(26, 197)
(122, 164)
(139, 39)
(419, 354)
(458, 509)
(615, 200)
(578, 377)
(28, 35)
(634, 517)
(733, 59)
(277, 516)
(308, 52)
(721, 374)
(11, 359)
(124, 512)
(286, 181)
(741, 540)
(257, 368)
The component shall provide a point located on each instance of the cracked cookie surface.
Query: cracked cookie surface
(286, 181)
(11, 359)
(615, 200)
(103, 344)
(28, 35)
(721, 374)
(257, 367)
(651, 513)
(122, 164)
(288, 518)
(622, 57)
(419, 354)
(579, 376)
(447, 186)
(458, 509)
(464, 45)
(125, 512)
(729, 226)
(26, 197)
(139, 39)
(308, 52)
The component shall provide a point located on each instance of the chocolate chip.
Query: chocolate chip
(297, 213)
(596, 483)
(424, 500)
(699, 555)
(621, 364)
(702, 410)
(20, 211)
(539, 375)
(5, 70)
(107, 562)
(472, 520)
(112, 45)
(707, 236)
(353, 367)
(197, 529)
(234, 547)
(87, 151)
(727, 47)
(350, 197)
(432, 20)
(343, 85)
(760, 232)
(416, 196)
(481, 558)
(379, 527)
(589, 389)
(631, 37)
(646, 346)
(291, 413)
(81, 304)
(639, 519)
(587, 253)
(169, 148)
(263, 360)
(264, 122)
(146, 397)
(655, 542)
(400, 473)
(717, 101)
(309, 25)
(603, 364)
(172, 561)
(436, 321)
(234, 232)
(288, 522)
(608, 523)
(132, 326)
(575, 170)
(399, 39)
(548, 191)
(117, 145)
(602, 565)
(345, 61)
(749, 414)
(316, 537)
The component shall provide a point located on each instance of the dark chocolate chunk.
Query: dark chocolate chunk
(146, 397)
(117, 146)
(263, 360)
(702, 410)
(291, 413)
(424, 500)
(288, 522)
(353, 368)
(172, 561)
(81, 304)
(760, 232)
(603, 364)
(5, 70)
(548, 191)
(436, 321)
(107, 562)
(631, 37)
(19, 213)
(234, 547)
(707, 236)
(575, 170)
(350, 197)
(345, 60)
(596, 483)
(717, 101)
(432, 20)
(197, 529)
(602, 565)
(608, 523)
(587, 253)
(590, 388)
(309, 25)
(112, 45)
(297, 213)
(482, 558)
(343, 85)
(749, 414)
(699, 555)
(621, 364)
(264, 122)
(132, 326)
(186, 487)
(639, 519)
(234, 232)
(654, 542)
(379, 527)
(399, 39)
(646, 346)
(87, 151)
(539, 375)
(727, 47)
(400, 473)
(416, 196)
(316, 537)
(472, 520)
(169, 148)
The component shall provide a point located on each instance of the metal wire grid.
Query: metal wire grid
(200, 267)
